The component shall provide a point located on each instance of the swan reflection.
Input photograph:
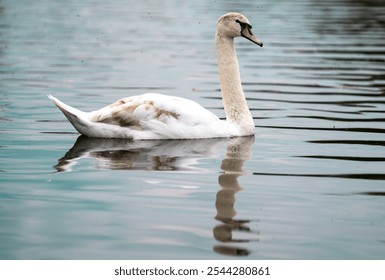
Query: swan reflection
(160, 155)
(176, 155)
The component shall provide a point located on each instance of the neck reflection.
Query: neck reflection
(237, 152)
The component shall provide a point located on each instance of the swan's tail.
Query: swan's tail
(77, 118)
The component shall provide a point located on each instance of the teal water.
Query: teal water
(309, 185)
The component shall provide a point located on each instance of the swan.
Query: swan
(157, 116)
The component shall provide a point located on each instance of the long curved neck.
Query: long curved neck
(234, 101)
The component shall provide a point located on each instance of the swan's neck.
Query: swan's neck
(234, 101)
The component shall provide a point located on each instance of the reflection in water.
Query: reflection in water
(122, 154)
(237, 153)
(176, 155)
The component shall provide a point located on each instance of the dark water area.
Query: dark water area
(309, 185)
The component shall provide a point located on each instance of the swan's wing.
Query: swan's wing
(139, 112)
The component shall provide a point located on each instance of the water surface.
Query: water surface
(309, 185)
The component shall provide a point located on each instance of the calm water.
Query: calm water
(309, 185)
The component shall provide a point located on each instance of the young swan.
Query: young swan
(157, 116)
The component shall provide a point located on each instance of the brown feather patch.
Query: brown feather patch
(121, 113)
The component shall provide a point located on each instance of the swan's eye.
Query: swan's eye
(245, 25)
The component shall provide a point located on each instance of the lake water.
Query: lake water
(309, 185)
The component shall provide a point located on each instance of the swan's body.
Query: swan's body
(148, 116)
(157, 116)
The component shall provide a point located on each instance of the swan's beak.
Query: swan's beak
(246, 33)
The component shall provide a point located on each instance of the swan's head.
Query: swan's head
(233, 25)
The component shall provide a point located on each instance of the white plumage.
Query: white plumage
(157, 116)
(148, 116)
